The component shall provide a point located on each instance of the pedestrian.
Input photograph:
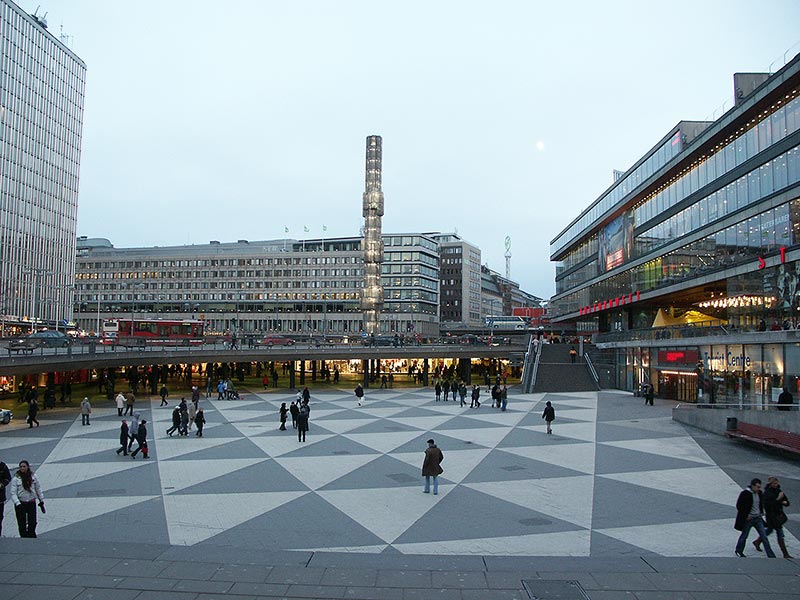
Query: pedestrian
(129, 400)
(141, 439)
(302, 421)
(462, 392)
(184, 424)
(391, 380)
(199, 421)
(306, 395)
(5, 479)
(25, 491)
(132, 429)
(495, 396)
(438, 390)
(503, 398)
(432, 467)
(336, 375)
(67, 393)
(209, 386)
(446, 389)
(359, 394)
(192, 412)
(775, 501)
(221, 390)
(123, 438)
(195, 394)
(785, 400)
(572, 354)
(33, 410)
(384, 382)
(549, 415)
(294, 410)
(164, 393)
(454, 390)
(648, 394)
(284, 412)
(120, 402)
(749, 508)
(476, 394)
(86, 410)
(176, 421)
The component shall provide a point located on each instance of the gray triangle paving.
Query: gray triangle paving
(604, 484)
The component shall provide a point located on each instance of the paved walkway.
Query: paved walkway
(620, 499)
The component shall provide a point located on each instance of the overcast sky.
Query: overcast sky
(232, 120)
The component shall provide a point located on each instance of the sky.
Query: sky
(233, 120)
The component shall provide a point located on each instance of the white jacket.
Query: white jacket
(20, 494)
(120, 400)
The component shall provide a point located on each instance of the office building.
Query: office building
(41, 120)
(288, 286)
(679, 267)
(460, 273)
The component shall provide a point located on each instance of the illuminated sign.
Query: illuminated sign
(682, 357)
(762, 263)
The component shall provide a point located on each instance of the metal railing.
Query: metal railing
(592, 369)
(760, 406)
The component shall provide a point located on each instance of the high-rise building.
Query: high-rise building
(460, 279)
(41, 120)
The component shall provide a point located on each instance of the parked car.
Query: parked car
(379, 340)
(275, 340)
(5, 416)
(470, 339)
(40, 339)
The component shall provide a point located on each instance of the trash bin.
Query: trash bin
(732, 424)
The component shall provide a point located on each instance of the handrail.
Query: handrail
(771, 406)
(592, 369)
(535, 368)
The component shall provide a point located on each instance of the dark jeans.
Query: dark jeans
(129, 407)
(758, 525)
(26, 519)
(301, 435)
(199, 430)
(84, 419)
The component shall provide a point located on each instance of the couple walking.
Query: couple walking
(751, 506)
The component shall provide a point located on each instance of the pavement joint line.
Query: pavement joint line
(643, 559)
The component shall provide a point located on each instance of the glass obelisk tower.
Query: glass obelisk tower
(372, 243)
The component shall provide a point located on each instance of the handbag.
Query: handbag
(781, 518)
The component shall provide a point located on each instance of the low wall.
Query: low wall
(715, 419)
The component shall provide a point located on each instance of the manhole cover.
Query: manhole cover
(341, 452)
(513, 468)
(534, 522)
(554, 589)
(402, 478)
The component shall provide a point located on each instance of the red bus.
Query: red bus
(144, 332)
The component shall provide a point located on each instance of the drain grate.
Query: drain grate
(341, 452)
(513, 468)
(554, 589)
(402, 477)
(92, 493)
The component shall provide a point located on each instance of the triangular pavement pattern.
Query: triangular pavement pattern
(386, 512)
(704, 483)
(321, 470)
(58, 475)
(76, 429)
(179, 474)
(194, 518)
(69, 448)
(383, 442)
(578, 457)
(563, 543)
(566, 498)
(280, 445)
(684, 448)
(180, 447)
(62, 512)
(457, 464)
(342, 425)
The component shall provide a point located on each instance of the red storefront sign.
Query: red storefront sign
(678, 357)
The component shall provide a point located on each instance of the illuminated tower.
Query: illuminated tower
(372, 244)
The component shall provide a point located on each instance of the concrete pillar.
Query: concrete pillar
(302, 372)
(291, 375)
(313, 371)
(365, 369)
(425, 369)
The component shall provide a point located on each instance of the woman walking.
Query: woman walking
(774, 501)
(284, 412)
(33, 410)
(25, 491)
(302, 422)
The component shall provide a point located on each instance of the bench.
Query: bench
(766, 436)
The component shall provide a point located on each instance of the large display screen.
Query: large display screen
(616, 241)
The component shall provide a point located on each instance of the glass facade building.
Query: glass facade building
(41, 119)
(702, 233)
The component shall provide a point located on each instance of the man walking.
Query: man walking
(785, 400)
(141, 438)
(164, 393)
(432, 467)
(549, 415)
(123, 438)
(129, 400)
(86, 410)
(749, 509)
(359, 394)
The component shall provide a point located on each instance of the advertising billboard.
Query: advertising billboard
(616, 241)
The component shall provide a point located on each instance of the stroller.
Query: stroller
(233, 395)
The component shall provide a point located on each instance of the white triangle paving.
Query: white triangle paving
(391, 512)
(197, 517)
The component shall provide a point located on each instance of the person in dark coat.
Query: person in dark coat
(302, 421)
(199, 421)
(141, 439)
(176, 420)
(446, 389)
(184, 426)
(549, 415)
(164, 394)
(33, 410)
(5, 479)
(432, 467)
(294, 410)
(123, 438)
(749, 508)
(774, 502)
(306, 395)
(284, 412)
(359, 391)
(476, 394)
(785, 400)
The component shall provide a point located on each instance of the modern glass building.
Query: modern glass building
(686, 269)
(41, 120)
(288, 286)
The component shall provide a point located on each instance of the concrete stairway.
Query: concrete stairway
(557, 373)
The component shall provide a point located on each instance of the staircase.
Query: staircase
(556, 372)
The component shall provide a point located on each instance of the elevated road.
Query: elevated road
(75, 358)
